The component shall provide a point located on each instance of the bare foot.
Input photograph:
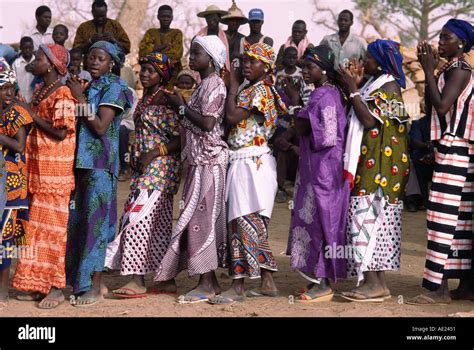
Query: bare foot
(366, 292)
(52, 300)
(91, 297)
(134, 287)
(268, 286)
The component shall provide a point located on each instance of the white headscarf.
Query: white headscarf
(215, 48)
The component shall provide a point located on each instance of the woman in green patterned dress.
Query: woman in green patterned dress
(377, 164)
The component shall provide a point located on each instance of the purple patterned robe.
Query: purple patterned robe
(318, 225)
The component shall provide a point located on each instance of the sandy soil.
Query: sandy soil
(403, 285)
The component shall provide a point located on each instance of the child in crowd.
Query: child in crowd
(22, 68)
(60, 34)
(186, 83)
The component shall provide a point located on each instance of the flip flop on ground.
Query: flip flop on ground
(127, 293)
(359, 297)
(424, 299)
(258, 293)
(227, 299)
(193, 297)
(311, 296)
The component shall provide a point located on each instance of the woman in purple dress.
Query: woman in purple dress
(317, 233)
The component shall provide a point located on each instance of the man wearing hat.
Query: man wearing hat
(255, 23)
(234, 20)
(213, 15)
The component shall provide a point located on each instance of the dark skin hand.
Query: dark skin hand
(173, 146)
(146, 158)
(234, 115)
(456, 82)
(176, 101)
(351, 78)
(46, 125)
(100, 122)
(302, 126)
(17, 143)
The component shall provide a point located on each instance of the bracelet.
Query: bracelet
(291, 110)
(163, 150)
(354, 94)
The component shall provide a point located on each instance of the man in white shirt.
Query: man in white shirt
(345, 45)
(22, 68)
(41, 34)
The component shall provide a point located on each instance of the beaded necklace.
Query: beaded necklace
(448, 64)
(143, 104)
(40, 94)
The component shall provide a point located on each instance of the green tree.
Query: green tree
(415, 20)
(412, 20)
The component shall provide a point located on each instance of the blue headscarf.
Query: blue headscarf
(387, 54)
(112, 49)
(463, 30)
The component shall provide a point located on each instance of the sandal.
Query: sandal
(223, 299)
(193, 297)
(132, 295)
(258, 293)
(361, 298)
(312, 297)
(424, 299)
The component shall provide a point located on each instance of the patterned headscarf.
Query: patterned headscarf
(58, 56)
(214, 48)
(323, 56)
(463, 30)
(387, 54)
(7, 74)
(263, 53)
(112, 49)
(161, 63)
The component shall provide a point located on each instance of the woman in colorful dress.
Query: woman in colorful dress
(50, 162)
(377, 165)
(15, 122)
(318, 220)
(93, 211)
(451, 198)
(146, 223)
(199, 242)
(251, 176)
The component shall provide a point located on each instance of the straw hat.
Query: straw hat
(211, 10)
(235, 13)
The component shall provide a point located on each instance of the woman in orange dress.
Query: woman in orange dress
(50, 158)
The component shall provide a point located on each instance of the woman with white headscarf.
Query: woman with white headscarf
(198, 242)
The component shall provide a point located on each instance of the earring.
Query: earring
(210, 64)
(379, 68)
(324, 72)
(460, 46)
(49, 70)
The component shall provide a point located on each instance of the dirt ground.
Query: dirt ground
(403, 285)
